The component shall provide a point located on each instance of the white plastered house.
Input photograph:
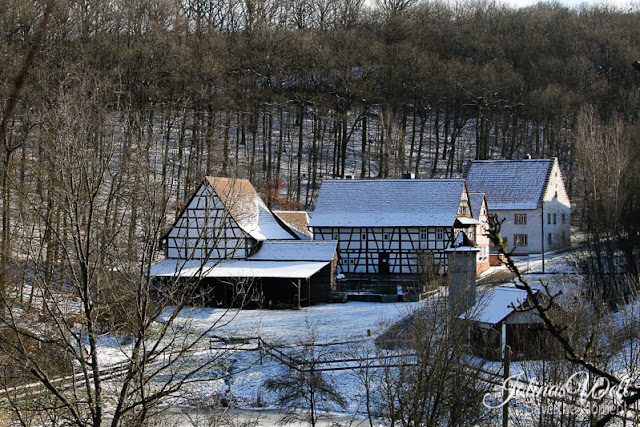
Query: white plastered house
(530, 197)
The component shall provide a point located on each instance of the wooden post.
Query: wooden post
(542, 242)
(505, 390)
(299, 290)
(503, 338)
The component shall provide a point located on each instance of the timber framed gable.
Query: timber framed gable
(206, 230)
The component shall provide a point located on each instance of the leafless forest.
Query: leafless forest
(114, 110)
(287, 93)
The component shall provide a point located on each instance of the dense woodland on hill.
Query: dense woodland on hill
(113, 111)
(287, 93)
(341, 87)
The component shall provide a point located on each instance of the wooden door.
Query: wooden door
(383, 263)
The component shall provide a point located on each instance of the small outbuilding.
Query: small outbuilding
(505, 316)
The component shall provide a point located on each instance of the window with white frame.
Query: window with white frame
(423, 234)
(439, 234)
(520, 218)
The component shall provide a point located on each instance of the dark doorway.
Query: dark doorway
(383, 263)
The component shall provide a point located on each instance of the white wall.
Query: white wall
(556, 203)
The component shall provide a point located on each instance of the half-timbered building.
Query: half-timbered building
(391, 231)
(224, 219)
(226, 236)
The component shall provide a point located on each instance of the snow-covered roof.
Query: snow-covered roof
(388, 203)
(510, 184)
(247, 209)
(476, 204)
(239, 269)
(466, 221)
(296, 250)
(496, 305)
(298, 222)
(462, 243)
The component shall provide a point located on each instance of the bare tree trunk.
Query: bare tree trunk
(436, 154)
(301, 111)
(363, 149)
(423, 119)
(225, 143)
(413, 139)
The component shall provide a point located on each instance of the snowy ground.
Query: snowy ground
(356, 322)
(332, 322)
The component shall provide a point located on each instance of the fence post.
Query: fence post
(505, 389)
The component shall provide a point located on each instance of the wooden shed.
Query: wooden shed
(505, 316)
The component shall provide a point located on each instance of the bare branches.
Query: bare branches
(558, 330)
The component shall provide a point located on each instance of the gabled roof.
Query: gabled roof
(510, 184)
(298, 221)
(296, 250)
(388, 203)
(476, 200)
(498, 304)
(248, 210)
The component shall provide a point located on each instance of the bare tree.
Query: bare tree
(103, 287)
(428, 378)
(582, 350)
(305, 387)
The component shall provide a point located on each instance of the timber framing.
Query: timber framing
(392, 231)
(231, 248)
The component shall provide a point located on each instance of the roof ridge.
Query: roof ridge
(513, 160)
(393, 180)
